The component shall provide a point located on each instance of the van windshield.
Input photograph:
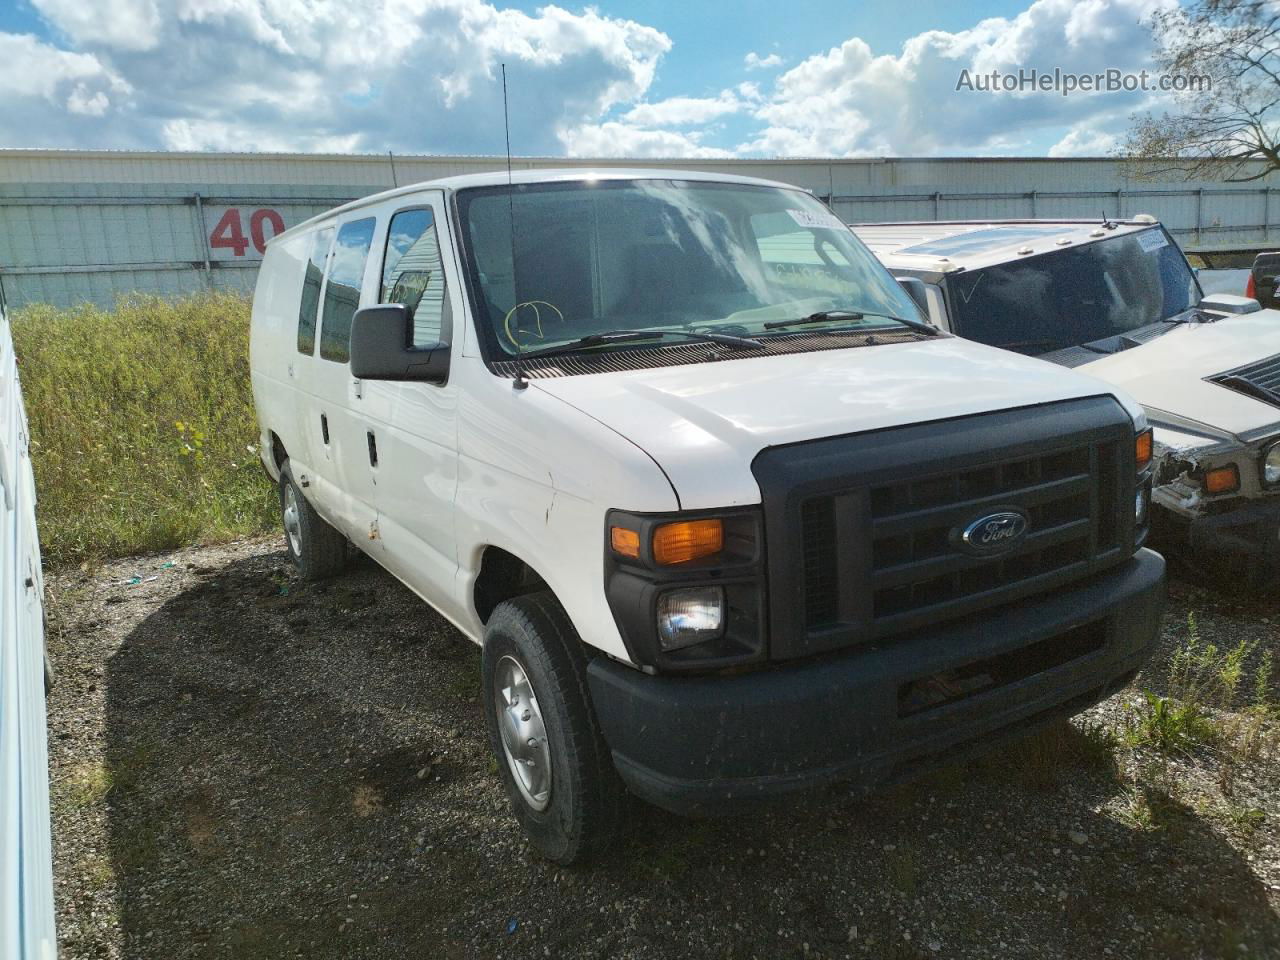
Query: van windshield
(1073, 295)
(590, 257)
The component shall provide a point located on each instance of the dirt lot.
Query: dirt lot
(247, 767)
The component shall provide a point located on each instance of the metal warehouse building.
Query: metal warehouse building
(89, 225)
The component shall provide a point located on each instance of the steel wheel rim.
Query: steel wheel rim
(292, 520)
(524, 735)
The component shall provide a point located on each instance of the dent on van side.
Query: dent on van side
(726, 517)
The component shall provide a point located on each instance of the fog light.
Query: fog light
(1271, 466)
(690, 615)
(1140, 505)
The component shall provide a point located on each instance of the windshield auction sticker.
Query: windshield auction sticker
(820, 220)
(1151, 240)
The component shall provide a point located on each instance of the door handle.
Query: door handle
(324, 428)
(373, 449)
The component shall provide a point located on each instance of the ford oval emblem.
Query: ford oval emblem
(995, 533)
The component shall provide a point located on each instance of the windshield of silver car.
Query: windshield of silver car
(1074, 295)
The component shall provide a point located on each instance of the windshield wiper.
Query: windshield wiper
(629, 336)
(824, 315)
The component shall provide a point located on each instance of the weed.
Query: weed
(142, 425)
(1207, 702)
(1245, 820)
(1169, 724)
(88, 785)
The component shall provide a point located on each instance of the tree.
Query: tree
(1223, 56)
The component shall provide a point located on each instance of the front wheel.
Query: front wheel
(315, 548)
(553, 760)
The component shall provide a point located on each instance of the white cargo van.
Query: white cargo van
(728, 519)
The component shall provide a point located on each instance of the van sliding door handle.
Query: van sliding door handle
(373, 449)
(324, 429)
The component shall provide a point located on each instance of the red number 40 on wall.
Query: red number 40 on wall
(228, 233)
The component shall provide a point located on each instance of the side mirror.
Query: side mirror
(1229, 303)
(380, 347)
(916, 291)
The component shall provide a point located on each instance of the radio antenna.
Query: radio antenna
(520, 383)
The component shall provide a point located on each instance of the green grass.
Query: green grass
(142, 425)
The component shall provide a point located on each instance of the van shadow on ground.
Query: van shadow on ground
(302, 771)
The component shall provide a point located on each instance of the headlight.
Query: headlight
(690, 615)
(1271, 465)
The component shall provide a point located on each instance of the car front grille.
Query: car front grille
(874, 546)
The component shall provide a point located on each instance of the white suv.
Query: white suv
(727, 518)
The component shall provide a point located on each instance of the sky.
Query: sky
(659, 78)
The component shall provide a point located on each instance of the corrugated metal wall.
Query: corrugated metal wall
(78, 226)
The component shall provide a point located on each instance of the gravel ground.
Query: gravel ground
(245, 766)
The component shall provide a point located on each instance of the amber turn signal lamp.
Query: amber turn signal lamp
(687, 540)
(1222, 479)
(1142, 449)
(626, 543)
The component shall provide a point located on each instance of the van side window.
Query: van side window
(310, 306)
(413, 274)
(342, 293)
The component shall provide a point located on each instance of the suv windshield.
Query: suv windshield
(590, 257)
(1074, 295)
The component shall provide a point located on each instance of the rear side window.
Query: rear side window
(413, 274)
(342, 292)
(310, 306)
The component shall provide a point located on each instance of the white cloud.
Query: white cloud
(684, 111)
(1085, 142)
(753, 61)
(121, 24)
(49, 93)
(851, 101)
(424, 76)
(615, 139)
(350, 74)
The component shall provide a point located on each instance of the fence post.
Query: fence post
(1199, 212)
(204, 241)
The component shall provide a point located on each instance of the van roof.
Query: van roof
(554, 175)
(946, 246)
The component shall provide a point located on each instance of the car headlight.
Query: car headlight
(1271, 465)
(690, 615)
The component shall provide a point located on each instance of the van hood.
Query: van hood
(704, 423)
(1167, 374)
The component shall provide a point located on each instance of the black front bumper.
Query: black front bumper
(704, 744)
(1251, 531)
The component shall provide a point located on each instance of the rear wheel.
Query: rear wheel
(317, 550)
(553, 760)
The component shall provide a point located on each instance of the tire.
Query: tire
(573, 815)
(316, 549)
